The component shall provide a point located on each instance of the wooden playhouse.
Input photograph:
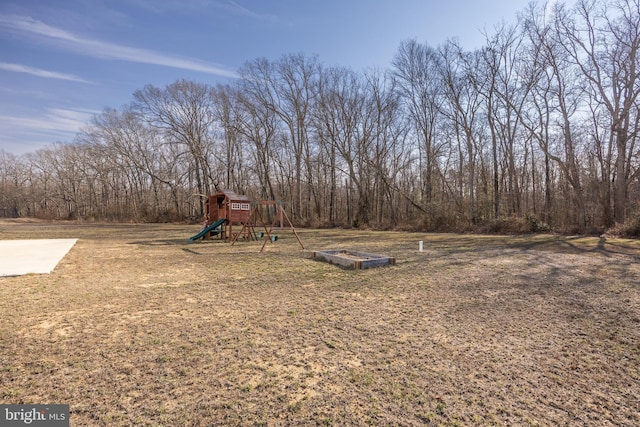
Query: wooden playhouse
(227, 214)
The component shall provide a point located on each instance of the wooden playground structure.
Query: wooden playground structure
(233, 217)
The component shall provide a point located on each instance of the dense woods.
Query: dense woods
(536, 129)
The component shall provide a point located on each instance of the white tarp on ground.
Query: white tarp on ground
(39, 256)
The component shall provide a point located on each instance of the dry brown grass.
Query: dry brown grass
(137, 327)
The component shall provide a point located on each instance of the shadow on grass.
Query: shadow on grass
(172, 242)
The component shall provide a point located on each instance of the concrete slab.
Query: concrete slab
(39, 256)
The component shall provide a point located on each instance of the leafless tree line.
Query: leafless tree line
(540, 123)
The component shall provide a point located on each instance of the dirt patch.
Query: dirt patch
(137, 327)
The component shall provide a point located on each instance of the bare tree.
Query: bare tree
(504, 82)
(139, 149)
(463, 107)
(558, 95)
(416, 73)
(337, 117)
(244, 118)
(11, 185)
(387, 134)
(602, 39)
(185, 112)
(288, 88)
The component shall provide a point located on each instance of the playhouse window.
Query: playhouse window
(240, 206)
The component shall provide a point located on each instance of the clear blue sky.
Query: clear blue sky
(63, 61)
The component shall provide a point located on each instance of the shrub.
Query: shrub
(515, 225)
(630, 228)
(441, 223)
(536, 225)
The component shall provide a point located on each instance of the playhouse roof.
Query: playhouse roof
(233, 196)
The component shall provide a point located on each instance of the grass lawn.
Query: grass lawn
(136, 326)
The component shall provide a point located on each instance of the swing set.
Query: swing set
(257, 219)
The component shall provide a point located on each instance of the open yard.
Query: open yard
(137, 327)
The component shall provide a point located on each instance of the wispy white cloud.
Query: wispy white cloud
(238, 9)
(18, 68)
(70, 120)
(105, 50)
(52, 125)
(230, 6)
(23, 134)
